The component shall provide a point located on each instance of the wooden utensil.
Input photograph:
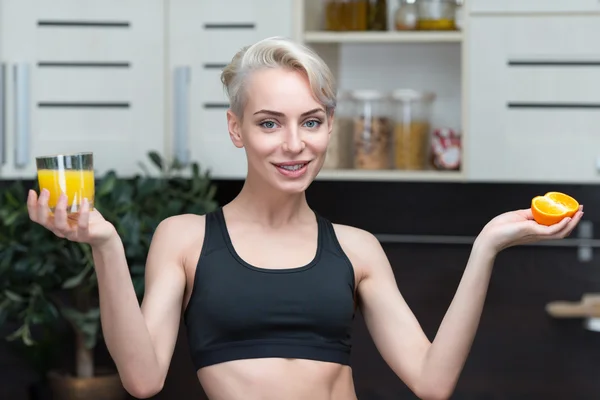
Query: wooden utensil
(588, 307)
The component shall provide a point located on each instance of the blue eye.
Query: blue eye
(268, 124)
(312, 124)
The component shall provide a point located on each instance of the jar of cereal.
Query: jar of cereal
(412, 128)
(372, 130)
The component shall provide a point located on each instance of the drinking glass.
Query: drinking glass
(71, 174)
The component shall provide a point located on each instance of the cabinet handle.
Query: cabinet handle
(181, 108)
(2, 114)
(22, 121)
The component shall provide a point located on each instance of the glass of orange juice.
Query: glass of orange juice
(71, 174)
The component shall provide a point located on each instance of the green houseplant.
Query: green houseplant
(45, 280)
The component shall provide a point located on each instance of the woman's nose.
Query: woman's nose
(293, 143)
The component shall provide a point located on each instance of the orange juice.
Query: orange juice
(76, 184)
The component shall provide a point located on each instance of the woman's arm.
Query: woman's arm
(141, 340)
(431, 369)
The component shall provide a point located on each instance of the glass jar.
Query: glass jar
(377, 15)
(332, 14)
(346, 15)
(412, 128)
(406, 15)
(361, 15)
(372, 130)
(339, 151)
(436, 15)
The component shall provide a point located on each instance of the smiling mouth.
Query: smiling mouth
(292, 166)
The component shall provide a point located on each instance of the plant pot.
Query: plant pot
(103, 386)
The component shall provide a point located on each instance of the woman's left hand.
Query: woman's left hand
(518, 227)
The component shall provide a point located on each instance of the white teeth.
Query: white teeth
(292, 167)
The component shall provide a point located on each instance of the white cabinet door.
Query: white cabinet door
(203, 37)
(534, 99)
(533, 6)
(82, 75)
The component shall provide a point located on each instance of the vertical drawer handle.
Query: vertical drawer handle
(2, 114)
(22, 121)
(181, 113)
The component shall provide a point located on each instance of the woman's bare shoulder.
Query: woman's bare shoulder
(181, 230)
(351, 235)
(359, 245)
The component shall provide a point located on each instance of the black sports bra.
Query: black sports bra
(239, 311)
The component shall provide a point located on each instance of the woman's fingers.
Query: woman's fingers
(84, 218)
(559, 230)
(61, 223)
(571, 225)
(526, 213)
(544, 231)
(42, 208)
(32, 200)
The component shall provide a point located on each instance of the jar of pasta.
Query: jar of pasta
(339, 152)
(372, 130)
(412, 128)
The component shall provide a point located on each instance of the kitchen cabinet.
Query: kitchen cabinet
(385, 60)
(534, 98)
(533, 6)
(203, 37)
(520, 82)
(81, 76)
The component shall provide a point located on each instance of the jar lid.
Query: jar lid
(412, 95)
(367, 94)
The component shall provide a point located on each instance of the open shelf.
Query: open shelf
(383, 37)
(389, 175)
(422, 60)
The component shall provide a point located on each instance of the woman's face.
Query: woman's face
(285, 130)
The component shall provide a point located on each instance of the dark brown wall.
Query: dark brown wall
(519, 352)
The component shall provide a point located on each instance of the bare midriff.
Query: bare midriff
(276, 379)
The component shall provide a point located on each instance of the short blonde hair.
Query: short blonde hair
(278, 52)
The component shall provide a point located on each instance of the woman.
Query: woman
(268, 288)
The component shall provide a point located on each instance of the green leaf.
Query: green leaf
(24, 334)
(106, 185)
(87, 323)
(211, 195)
(13, 296)
(11, 218)
(77, 279)
(156, 160)
(12, 200)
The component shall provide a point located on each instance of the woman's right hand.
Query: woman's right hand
(86, 226)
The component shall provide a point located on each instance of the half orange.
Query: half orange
(553, 207)
(570, 204)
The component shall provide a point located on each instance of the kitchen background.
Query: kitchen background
(477, 107)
